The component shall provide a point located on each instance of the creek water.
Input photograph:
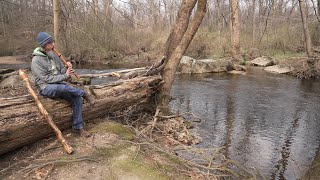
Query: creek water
(266, 121)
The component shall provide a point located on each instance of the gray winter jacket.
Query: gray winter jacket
(46, 70)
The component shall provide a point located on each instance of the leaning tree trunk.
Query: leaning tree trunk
(235, 28)
(56, 22)
(180, 27)
(319, 7)
(21, 123)
(307, 38)
(170, 68)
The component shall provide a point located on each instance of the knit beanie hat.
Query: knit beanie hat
(44, 38)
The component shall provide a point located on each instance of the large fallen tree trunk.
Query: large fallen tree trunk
(21, 123)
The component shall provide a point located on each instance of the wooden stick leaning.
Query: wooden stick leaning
(46, 115)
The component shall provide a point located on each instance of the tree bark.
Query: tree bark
(319, 7)
(2, 19)
(21, 124)
(253, 22)
(170, 68)
(219, 22)
(235, 28)
(180, 27)
(56, 22)
(307, 38)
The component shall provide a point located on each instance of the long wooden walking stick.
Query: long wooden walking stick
(46, 115)
(64, 61)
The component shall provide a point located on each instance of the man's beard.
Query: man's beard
(50, 54)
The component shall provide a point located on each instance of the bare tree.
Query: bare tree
(253, 22)
(307, 39)
(56, 22)
(3, 19)
(235, 28)
(318, 6)
(178, 42)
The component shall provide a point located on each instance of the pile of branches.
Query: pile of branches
(198, 163)
(309, 69)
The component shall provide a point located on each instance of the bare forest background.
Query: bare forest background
(114, 29)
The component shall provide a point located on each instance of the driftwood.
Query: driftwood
(46, 115)
(21, 124)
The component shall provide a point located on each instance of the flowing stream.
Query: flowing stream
(266, 121)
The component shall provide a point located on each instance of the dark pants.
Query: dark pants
(72, 95)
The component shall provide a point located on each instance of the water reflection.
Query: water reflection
(263, 120)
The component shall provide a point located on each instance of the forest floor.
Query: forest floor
(112, 152)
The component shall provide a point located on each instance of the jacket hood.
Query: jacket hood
(38, 52)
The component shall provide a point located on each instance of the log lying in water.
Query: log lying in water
(21, 123)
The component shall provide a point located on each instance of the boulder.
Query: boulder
(281, 69)
(262, 61)
(238, 67)
(189, 65)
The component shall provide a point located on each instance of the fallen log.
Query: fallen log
(21, 123)
(113, 74)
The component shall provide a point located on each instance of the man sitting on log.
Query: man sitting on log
(49, 73)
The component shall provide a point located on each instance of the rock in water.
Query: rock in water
(281, 69)
(189, 65)
(262, 61)
(185, 65)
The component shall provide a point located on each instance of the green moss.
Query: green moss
(143, 169)
(189, 124)
(106, 152)
(115, 128)
(243, 62)
(109, 152)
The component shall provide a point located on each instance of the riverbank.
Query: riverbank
(124, 150)
(112, 152)
(228, 100)
(300, 66)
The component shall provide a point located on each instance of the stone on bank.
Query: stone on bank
(189, 65)
(263, 61)
(281, 69)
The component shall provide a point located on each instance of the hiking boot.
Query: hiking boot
(82, 132)
(90, 99)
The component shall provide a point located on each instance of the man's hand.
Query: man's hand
(69, 71)
(69, 65)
